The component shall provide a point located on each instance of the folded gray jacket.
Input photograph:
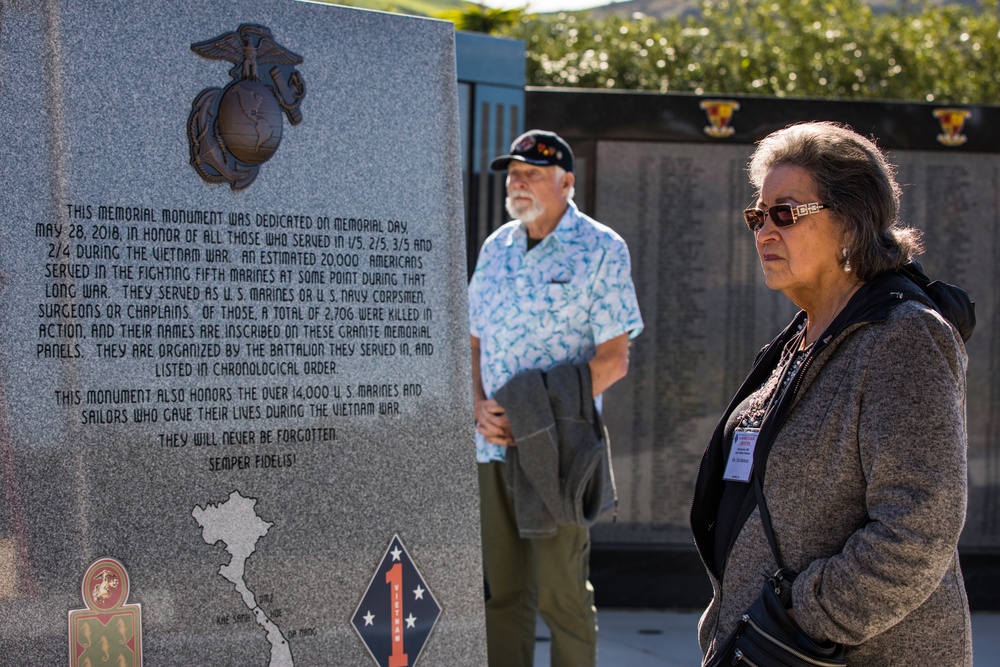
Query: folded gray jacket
(560, 471)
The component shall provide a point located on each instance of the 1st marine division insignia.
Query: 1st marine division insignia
(108, 631)
(397, 613)
(232, 131)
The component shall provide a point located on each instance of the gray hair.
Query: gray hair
(560, 172)
(856, 180)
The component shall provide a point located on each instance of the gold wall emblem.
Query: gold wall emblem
(952, 121)
(720, 114)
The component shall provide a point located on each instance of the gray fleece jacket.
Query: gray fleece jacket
(866, 485)
(560, 471)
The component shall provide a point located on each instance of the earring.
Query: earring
(847, 262)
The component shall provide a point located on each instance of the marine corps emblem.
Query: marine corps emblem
(952, 121)
(108, 631)
(232, 131)
(720, 113)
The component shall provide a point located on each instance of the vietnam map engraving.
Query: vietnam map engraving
(237, 525)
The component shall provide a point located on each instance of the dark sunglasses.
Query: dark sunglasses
(782, 214)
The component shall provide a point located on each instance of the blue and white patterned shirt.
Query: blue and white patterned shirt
(550, 306)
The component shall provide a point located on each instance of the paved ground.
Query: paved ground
(648, 638)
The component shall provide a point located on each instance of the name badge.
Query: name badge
(741, 455)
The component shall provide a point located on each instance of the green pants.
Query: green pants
(524, 575)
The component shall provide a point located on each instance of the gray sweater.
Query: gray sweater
(867, 489)
(560, 471)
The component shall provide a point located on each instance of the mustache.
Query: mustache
(522, 195)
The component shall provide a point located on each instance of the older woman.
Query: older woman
(853, 417)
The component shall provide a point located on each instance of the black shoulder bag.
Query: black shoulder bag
(766, 636)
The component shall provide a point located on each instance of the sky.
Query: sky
(542, 6)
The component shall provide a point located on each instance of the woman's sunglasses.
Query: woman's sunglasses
(782, 214)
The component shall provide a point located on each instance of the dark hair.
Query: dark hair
(855, 179)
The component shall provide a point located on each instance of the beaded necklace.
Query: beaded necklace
(759, 402)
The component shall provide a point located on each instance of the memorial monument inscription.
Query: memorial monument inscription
(234, 368)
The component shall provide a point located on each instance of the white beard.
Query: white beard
(527, 213)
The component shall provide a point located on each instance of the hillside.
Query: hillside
(656, 8)
(411, 7)
(684, 8)
(624, 8)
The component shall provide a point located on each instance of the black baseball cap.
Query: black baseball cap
(537, 147)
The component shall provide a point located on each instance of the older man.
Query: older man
(551, 287)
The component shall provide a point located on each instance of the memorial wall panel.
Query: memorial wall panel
(955, 199)
(669, 174)
(708, 312)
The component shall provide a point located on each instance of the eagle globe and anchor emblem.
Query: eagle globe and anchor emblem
(233, 130)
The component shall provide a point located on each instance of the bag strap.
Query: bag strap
(758, 488)
(765, 519)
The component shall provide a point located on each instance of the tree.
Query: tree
(480, 18)
(801, 48)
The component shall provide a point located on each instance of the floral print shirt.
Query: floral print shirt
(550, 306)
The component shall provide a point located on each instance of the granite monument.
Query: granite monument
(234, 367)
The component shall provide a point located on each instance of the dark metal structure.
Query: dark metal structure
(491, 108)
(693, 151)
